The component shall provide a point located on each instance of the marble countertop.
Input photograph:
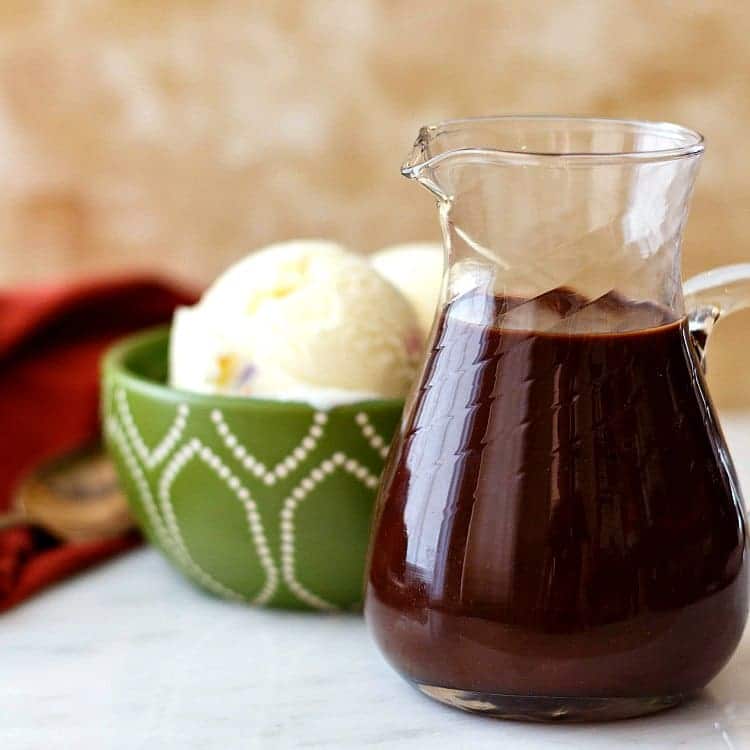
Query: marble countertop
(130, 656)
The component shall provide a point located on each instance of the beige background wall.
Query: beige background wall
(177, 135)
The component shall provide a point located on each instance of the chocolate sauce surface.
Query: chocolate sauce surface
(559, 515)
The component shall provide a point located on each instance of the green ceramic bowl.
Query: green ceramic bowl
(262, 501)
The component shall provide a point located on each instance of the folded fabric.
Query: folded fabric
(51, 342)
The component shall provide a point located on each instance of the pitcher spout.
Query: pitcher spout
(420, 163)
(441, 147)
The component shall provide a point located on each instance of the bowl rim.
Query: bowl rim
(115, 367)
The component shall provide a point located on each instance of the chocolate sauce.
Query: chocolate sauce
(559, 515)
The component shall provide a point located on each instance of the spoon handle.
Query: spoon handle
(12, 518)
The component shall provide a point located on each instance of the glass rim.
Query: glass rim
(687, 142)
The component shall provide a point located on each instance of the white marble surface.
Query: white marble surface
(130, 656)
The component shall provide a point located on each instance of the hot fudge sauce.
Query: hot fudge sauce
(559, 526)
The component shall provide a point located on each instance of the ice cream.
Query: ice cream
(416, 269)
(301, 320)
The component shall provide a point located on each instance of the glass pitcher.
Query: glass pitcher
(559, 531)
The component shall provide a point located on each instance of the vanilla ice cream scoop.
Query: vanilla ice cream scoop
(416, 269)
(301, 320)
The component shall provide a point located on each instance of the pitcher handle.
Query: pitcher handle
(713, 295)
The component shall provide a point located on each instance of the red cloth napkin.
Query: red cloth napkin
(51, 341)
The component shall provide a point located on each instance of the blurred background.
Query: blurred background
(175, 135)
